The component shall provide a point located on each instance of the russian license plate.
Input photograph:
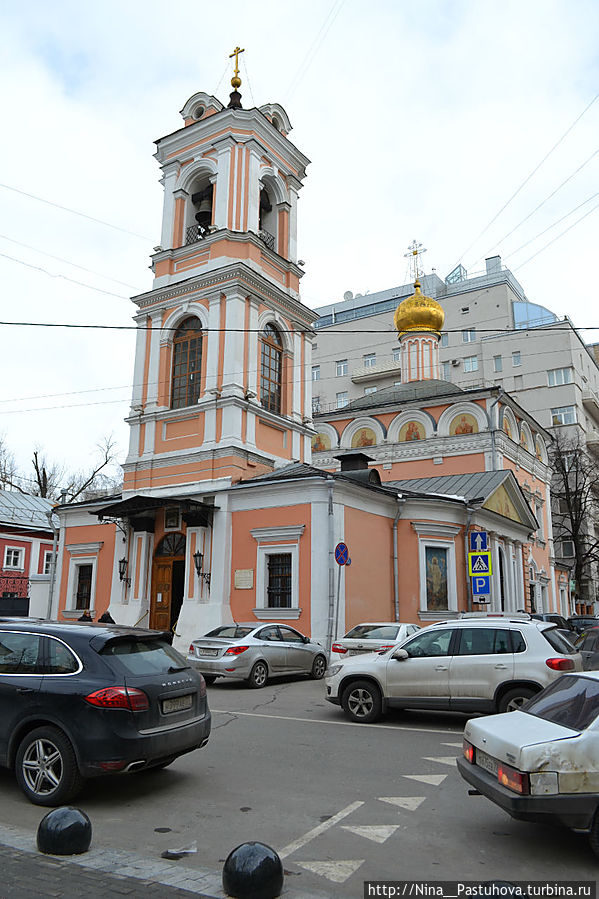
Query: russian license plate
(487, 762)
(177, 704)
(207, 652)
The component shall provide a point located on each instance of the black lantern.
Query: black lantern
(198, 561)
(123, 563)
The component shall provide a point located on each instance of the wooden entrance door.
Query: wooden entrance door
(162, 579)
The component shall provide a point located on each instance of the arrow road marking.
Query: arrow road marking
(316, 831)
(409, 802)
(434, 779)
(338, 872)
(376, 833)
(446, 760)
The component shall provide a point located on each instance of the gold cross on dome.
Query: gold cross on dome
(416, 250)
(235, 54)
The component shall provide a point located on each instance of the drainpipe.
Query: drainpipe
(52, 564)
(400, 504)
(493, 429)
(330, 485)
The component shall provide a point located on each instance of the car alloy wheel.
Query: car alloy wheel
(515, 699)
(258, 675)
(46, 768)
(319, 666)
(362, 702)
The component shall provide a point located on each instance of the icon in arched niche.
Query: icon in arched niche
(524, 440)
(321, 443)
(507, 427)
(412, 430)
(539, 450)
(463, 424)
(363, 437)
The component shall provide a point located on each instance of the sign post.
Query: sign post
(341, 558)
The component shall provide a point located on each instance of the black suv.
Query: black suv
(80, 700)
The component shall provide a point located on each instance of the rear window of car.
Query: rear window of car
(144, 656)
(372, 632)
(570, 701)
(559, 643)
(233, 632)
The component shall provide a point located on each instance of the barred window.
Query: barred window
(279, 581)
(187, 363)
(271, 370)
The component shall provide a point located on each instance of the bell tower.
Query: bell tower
(223, 341)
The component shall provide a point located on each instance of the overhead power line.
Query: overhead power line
(83, 215)
(314, 47)
(529, 176)
(45, 271)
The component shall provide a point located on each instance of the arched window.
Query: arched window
(271, 373)
(187, 363)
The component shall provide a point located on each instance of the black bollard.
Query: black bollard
(253, 871)
(64, 831)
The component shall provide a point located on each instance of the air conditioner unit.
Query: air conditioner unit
(455, 362)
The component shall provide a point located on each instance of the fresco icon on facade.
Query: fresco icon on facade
(507, 427)
(436, 579)
(321, 443)
(412, 430)
(363, 437)
(463, 424)
(524, 440)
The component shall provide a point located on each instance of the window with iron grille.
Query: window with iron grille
(279, 581)
(187, 363)
(271, 369)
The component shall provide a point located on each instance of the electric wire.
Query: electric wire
(553, 225)
(84, 215)
(220, 81)
(247, 78)
(314, 48)
(565, 231)
(45, 271)
(528, 177)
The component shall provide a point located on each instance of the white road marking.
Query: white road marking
(445, 760)
(378, 833)
(419, 730)
(457, 745)
(338, 872)
(409, 802)
(434, 779)
(320, 828)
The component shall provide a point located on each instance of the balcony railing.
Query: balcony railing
(195, 233)
(268, 238)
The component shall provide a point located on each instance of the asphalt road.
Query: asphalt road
(342, 803)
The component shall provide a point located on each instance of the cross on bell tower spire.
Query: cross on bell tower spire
(235, 96)
(415, 252)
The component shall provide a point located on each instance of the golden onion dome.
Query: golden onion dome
(418, 313)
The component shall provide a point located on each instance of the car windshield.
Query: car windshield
(144, 655)
(231, 631)
(373, 632)
(570, 701)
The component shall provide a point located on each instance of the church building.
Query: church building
(231, 507)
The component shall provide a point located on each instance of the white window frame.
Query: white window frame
(273, 541)
(369, 360)
(446, 371)
(444, 341)
(558, 376)
(341, 368)
(452, 595)
(342, 404)
(20, 566)
(516, 358)
(47, 561)
(396, 354)
(562, 412)
(316, 372)
(75, 564)
(368, 390)
(315, 404)
(563, 555)
(497, 363)
(469, 335)
(471, 363)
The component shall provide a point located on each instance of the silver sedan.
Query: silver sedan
(256, 652)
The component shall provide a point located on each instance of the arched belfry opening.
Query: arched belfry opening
(199, 219)
(267, 219)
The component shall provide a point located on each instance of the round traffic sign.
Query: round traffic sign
(341, 554)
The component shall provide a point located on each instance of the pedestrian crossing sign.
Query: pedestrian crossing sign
(479, 563)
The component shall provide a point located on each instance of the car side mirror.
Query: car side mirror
(401, 655)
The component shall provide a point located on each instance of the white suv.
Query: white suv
(489, 664)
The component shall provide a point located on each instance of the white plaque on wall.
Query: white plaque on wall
(244, 578)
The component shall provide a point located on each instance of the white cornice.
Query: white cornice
(278, 534)
(435, 530)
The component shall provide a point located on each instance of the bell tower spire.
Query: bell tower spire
(235, 96)
(418, 320)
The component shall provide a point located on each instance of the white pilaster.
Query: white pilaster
(233, 373)
(152, 386)
(224, 148)
(168, 207)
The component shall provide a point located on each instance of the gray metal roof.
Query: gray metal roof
(402, 393)
(479, 484)
(25, 511)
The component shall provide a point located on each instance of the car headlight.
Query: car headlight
(333, 670)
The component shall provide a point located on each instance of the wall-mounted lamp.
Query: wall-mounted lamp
(123, 563)
(198, 560)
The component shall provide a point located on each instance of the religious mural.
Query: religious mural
(321, 443)
(436, 579)
(501, 503)
(507, 427)
(463, 424)
(524, 440)
(412, 430)
(363, 437)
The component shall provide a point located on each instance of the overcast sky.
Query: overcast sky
(422, 119)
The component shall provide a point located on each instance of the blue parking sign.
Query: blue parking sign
(481, 585)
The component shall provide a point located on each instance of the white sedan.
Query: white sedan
(541, 763)
(373, 636)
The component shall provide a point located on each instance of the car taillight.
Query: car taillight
(560, 664)
(468, 751)
(129, 698)
(337, 647)
(235, 650)
(202, 687)
(191, 649)
(513, 779)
